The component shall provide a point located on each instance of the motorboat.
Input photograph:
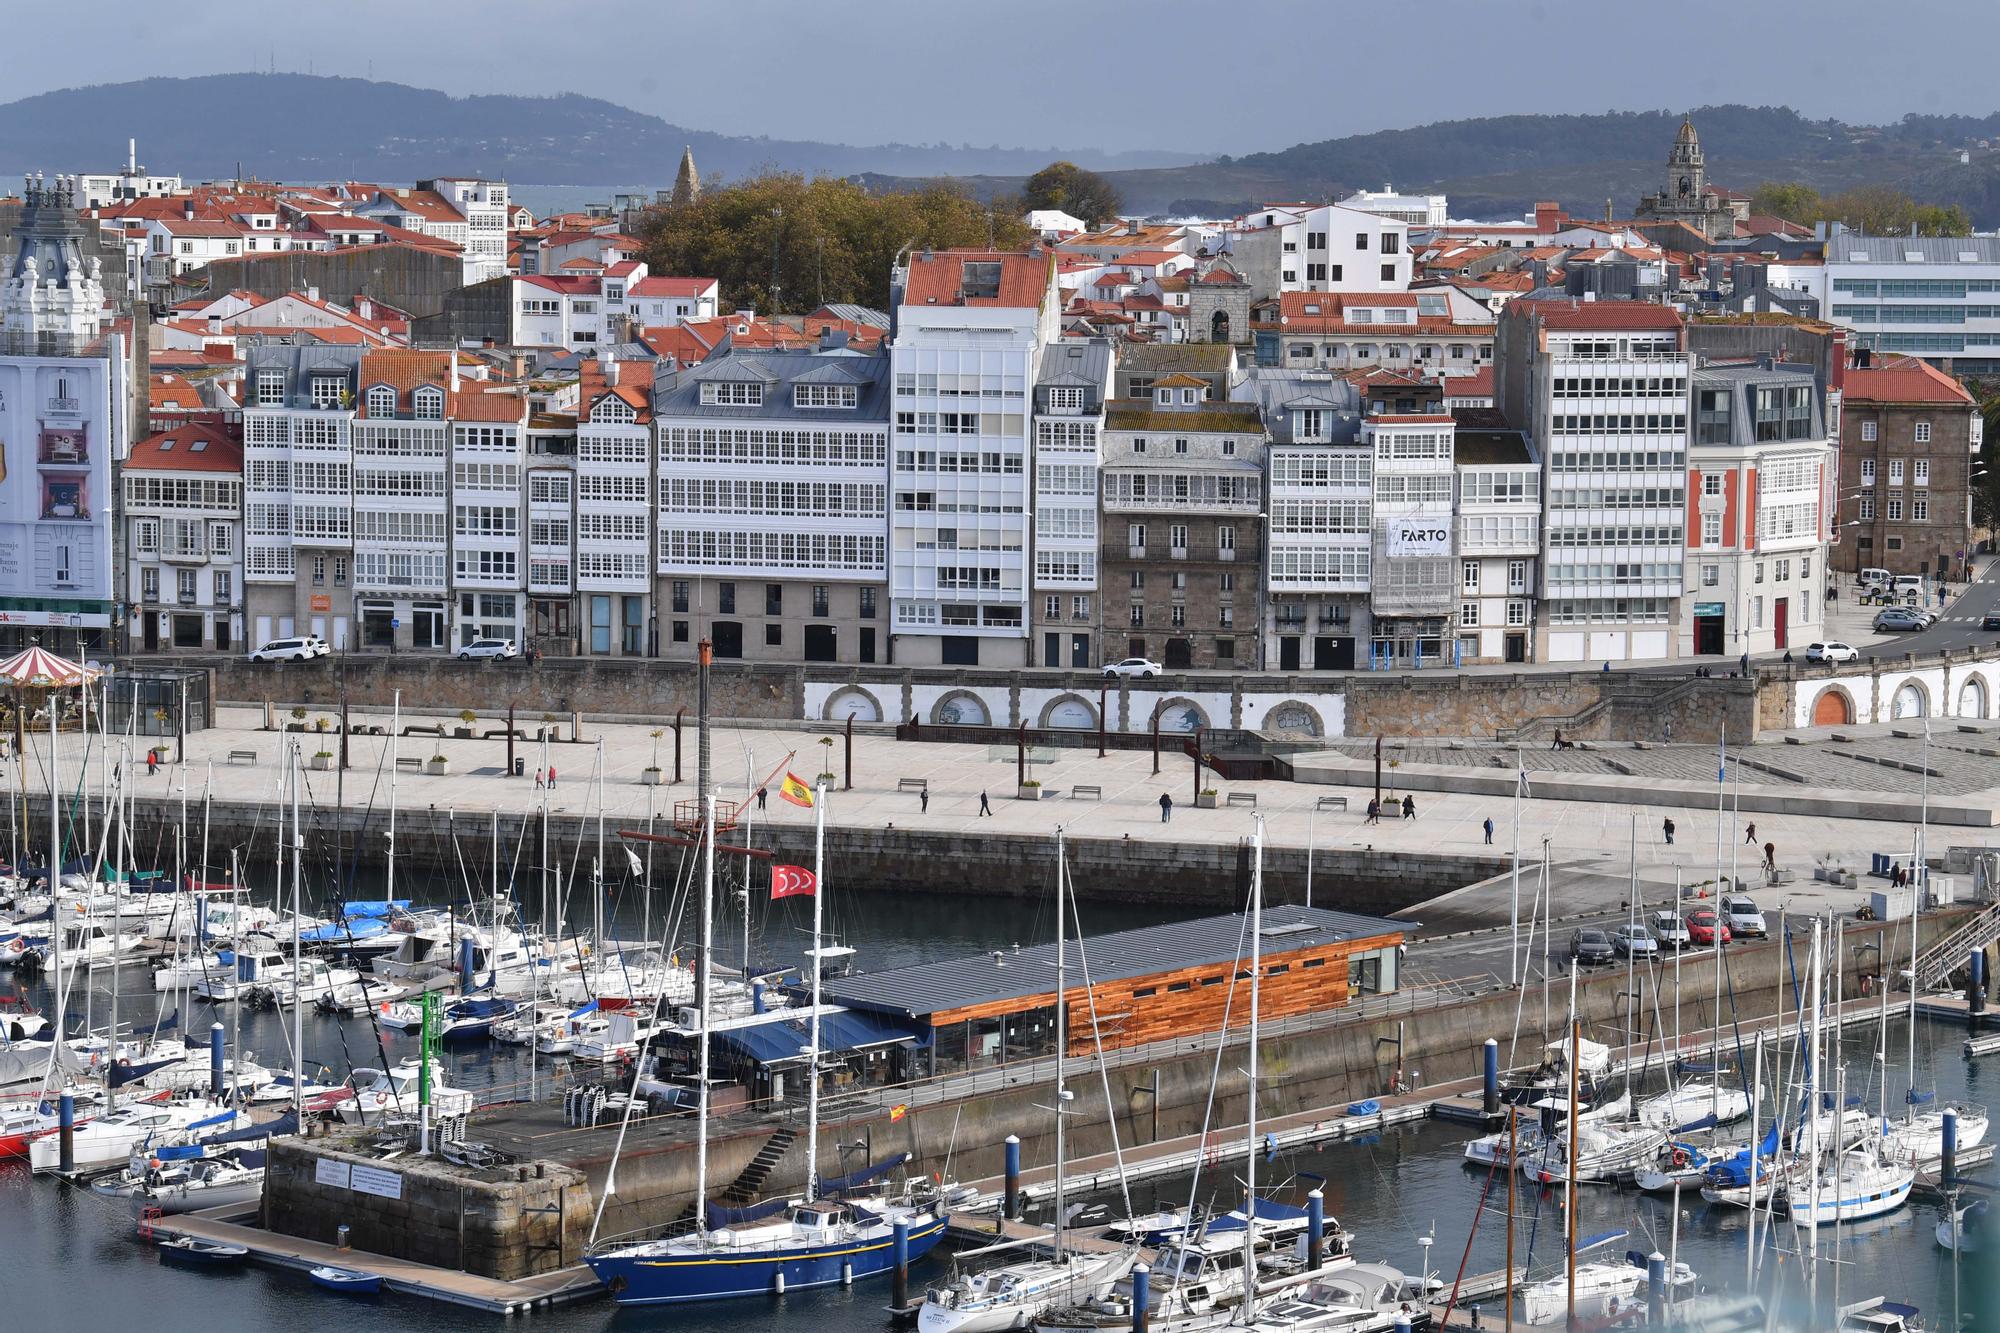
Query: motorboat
(110, 1139)
(190, 1184)
(346, 1281)
(193, 1252)
(1876, 1315)
(1191, 1278)
(185, 972)
(1006, 1297)
(1677, 1165)
(1919, 1140)
(1355, 1298)
(472, 1019)
(1604, 1152)
(615, 1035)
(375, 1095)
(277, 1091)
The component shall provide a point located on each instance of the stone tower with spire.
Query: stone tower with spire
(53, 299)
(687, 182)
(1688, 197)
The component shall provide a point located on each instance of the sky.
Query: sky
(1201, 78)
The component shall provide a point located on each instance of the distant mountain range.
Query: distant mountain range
(1501, 165)
(300, 127)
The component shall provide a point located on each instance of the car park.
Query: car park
(1831, 651)
(1743, 917)
(1634, 941)
(487, 648)
(1669, 930)
(1705, 928)
(1591, 945)
(303, 648)
(1133, 666)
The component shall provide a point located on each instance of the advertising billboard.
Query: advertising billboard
(1419, 534)
(57, 437)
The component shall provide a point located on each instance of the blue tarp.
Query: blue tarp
(786, 1039)
(719, 1216)
(856, 1179)
(338, 932)
(377, 907)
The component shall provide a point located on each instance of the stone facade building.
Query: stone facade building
(1909, 434)
(1688, 197)
(1219, 306)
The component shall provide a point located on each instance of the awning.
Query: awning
(783, 1041)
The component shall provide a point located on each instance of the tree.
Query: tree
(1875, 209)
(1986, 487)
(1067, 187)
(1794, 201)
(823, 240)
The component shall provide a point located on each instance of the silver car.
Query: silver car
(1669, 931)
(1635, 941)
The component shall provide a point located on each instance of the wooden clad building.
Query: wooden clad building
(1151, 984)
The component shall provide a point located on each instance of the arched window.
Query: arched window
(381, 401)
(1218, 327)
(429, 403)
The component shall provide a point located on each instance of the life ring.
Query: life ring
(1680, 1157)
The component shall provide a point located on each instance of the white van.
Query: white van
(1909, 586)
(1874, 578)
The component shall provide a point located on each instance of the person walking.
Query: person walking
(1489, 831)
(1750, 834)
(763, 795)
(985, 809)
(152, 762)
(1374, 811)
(1771, 856)
(552, 777)
(1667, 827)
(924, 800)
(1745, 664)
(539, 781)
(1557, 743)
(1166, 808)
(1409, 807)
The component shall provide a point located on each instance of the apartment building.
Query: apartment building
(1600, 389)
(1070, 398)
(968, 332)
(402, 500)
(1934, 297)
(1909, 438)
(1413, 589)
(1757, 532)
(1417, 210)
(1321, 482)
(1181, 559)
(1498, 531)
(1438, 331)
(614, 508)
(773, 512)
(483, 206)
(1295, 248)
(183, 513)
(298, 460)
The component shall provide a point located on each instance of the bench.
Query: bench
(407, 762)
(242, 756)
(1243, 798)
(913, 784)
(1331, 803)
(1079, 792)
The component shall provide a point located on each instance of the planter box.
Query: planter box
(1207, 800)
(651, 777)
(1027, 793)
(463, 733)
(295, 726)
(322, 762)
(437, 768)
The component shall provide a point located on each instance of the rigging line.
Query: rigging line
(1097, 1034)
(1215, 1078)
(1485, 1192)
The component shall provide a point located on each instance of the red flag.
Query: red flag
(792, 881)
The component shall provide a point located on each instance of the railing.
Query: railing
(1938, 962)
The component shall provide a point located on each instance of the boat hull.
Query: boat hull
(726, 1275)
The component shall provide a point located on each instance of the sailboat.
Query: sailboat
(1006, 1297)
(1606, 1289)
(778, 1245)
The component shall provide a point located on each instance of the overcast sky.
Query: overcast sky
(1221, 76)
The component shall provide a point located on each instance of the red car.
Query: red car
(1703, 928)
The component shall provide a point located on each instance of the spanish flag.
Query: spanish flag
(897, 1112)
(791, 789)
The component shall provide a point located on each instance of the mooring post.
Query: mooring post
(1315, 1227)
(1490, 1077)
(899, 1294)
(1142, 1295)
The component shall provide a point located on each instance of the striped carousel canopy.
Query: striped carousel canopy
(38, 668)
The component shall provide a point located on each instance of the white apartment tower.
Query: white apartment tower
(1069, 453)
(967, 338)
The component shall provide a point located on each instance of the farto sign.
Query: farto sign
(1419, 536)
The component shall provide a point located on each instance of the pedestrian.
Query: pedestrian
(1746, 664)
(1557, 743)
(538, 777)
(1409, 807)
(1750, 834)
(552, 777)
(152, 762)
(763, 795)
(1489, 831)
(1667, 827)
(1166, 808)
(1607, 668)
(924, 800)
(1374, 811)
(985, 809)
(1771, 856)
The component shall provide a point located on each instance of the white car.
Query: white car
(1742, 916)
(1133, 666)
(302, 649)
(1831, 652)
(488, 648)
(1669, 930)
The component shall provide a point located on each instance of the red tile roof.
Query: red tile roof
(1905, 381)
(665, 287)
(1590, 316)
(937, 278)
(195, 447)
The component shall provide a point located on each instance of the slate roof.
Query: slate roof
(930, 988)
(679, 395)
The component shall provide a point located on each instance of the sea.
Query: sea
(1405, 1194)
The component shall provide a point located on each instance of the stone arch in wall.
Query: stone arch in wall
(1972, 697)
(1182, 715)
(1218, 327)
(851, 701)
(961, 708)
(1833, 707)
(1069, 712)
(1294, 717)
(1910, 699)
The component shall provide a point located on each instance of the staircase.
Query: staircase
(1936, 964)
(747, 1187)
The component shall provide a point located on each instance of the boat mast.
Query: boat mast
(1918, 880)
(812, 1024)
(298, 972)
(1250, 1172)
(117, 923)
(1816, 1079)
(55, 862)
(701, 1003)
(1756, 1096)
(1514, 876)
(1062, 1040)
(1715, 1047)
(236, 1008)
(597, 903)
(1569, 1182)
(395, 718)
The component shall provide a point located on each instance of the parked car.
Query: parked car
(1133, 666)
(1743, 917)
(1704, 927)
(1896, 619)
(1591, 945)
(1875, 578)
(1991, 620)
(488, 648)
(302, 649)
(1634, 941)
(1669, 930)
(1831, 652)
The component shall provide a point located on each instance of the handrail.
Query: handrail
(1937, 962)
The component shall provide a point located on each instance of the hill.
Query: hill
(1501, 165)
(301, 127)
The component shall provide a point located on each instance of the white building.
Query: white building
(1413, 591)
(1289, 248)
(1937, 297)
(483, 206)
(298, 507)
(1601, 390)
(1499, 545)
(969, 331)
(1321, 481)
(132, 181)
(614, 508)
(183, 542)
(1418, 210)
(1441, 332)
(631, 292)
(1070, 399)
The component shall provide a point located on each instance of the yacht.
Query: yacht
(1604, 1152)
(1862, 1183)
(188, 1184)
(1693, 1103)
(1605, 1290)
(374, 1095)
(110, 1139)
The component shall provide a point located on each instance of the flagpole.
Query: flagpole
(812, 1070)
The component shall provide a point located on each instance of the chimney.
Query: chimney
(312, 293)
(517, 366)
(364, 307)
(132, 156)
(1836, 376)
(832, 340)
(1548, 215)
(215, 324)
(607, 362)
(187, 208)
(453, 354)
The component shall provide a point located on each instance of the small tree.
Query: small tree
(299, 713)
(467, 716)
(657, 733)
(826, 763)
